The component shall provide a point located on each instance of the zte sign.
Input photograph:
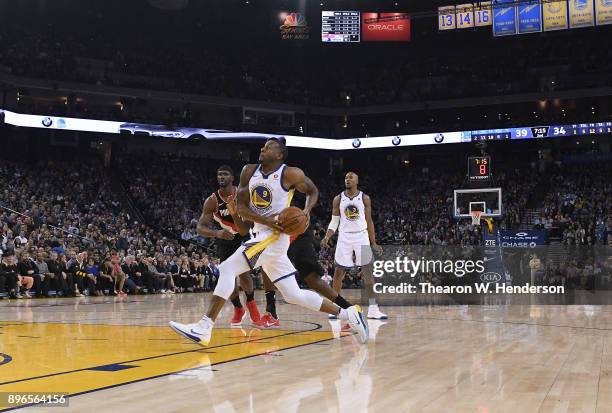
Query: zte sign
(385, 27)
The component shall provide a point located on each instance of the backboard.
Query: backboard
(486, 200)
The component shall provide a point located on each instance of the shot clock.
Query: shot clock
(479, 168)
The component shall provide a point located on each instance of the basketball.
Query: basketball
(293, 220)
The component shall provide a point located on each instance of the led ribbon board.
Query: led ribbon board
(434, 138)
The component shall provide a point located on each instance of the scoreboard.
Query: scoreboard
(340, 26)
(534, 132)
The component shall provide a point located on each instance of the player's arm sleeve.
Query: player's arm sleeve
(335, 220)
(334, 223)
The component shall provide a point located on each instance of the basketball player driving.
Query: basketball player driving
(265, 190)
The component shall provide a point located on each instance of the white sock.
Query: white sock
(343, 315)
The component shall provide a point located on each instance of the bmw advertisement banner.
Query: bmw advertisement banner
(522, 238)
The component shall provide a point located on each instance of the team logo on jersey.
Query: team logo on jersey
(261, 198)
(351, 212)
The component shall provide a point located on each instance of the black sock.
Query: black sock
(236, 302)
(271, 303)
(342, 303)
(250, 296)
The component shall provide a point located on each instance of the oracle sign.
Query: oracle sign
(385, 27)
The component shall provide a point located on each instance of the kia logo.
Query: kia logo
(490, 277)
(521, 234)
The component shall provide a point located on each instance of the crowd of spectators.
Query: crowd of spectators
(62, 229)
(579, 205)
(495, 66)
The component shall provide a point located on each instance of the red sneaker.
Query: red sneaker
(267, 321)
(238, 316)
(253, 311)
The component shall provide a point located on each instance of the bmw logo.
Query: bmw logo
(47, 122)
(356, 143)
(396, 140)
(439, 138)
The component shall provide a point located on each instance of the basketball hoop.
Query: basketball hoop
(476, 217)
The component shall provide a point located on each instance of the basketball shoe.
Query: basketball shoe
(267, 321)
(358, 324)
(375, 314)
(199, 332)
(253, 311)
(239, 314)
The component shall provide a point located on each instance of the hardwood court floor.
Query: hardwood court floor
(118, 355)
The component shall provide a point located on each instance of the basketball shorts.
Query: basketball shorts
(303, 255)
(268, 250)
(353, 249)
(226, 248)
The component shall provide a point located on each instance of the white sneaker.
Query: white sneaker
(375, 314)
(163, 291)
(358, 324)
(169, 292)
(199, 332)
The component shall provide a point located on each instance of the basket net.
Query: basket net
(476, 217)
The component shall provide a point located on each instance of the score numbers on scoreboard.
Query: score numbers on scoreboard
(479, 168)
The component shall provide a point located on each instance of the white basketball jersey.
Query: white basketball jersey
(268, 196)
(352, 213)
